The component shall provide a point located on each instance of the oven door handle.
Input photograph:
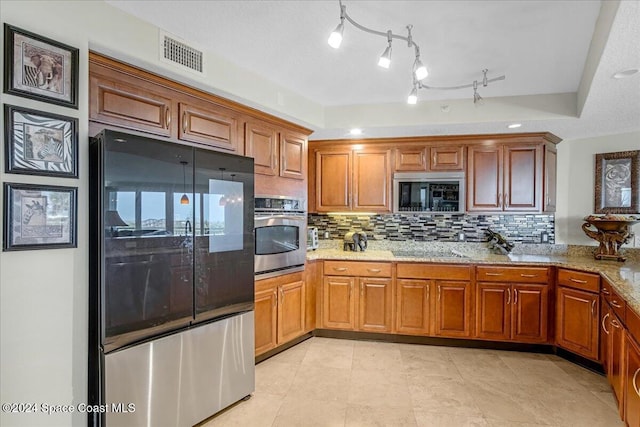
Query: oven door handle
(291, 217)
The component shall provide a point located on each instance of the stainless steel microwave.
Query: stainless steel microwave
(415, 192)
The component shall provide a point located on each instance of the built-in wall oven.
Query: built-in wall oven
(280, 235)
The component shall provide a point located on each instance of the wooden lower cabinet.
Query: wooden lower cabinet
(413, 307)
(631, 382)
(338, 308)
(279, 311)
(615, 359)
(370, 298)
(453, 308)
(375, 304)
(266, 320)
(577, 321)
(507, 312)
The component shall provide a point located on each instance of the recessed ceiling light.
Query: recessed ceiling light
(355, 131)
(514, 125)
(625, 73)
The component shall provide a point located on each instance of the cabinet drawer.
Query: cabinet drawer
(579, 280)
(512, 274)
(433, 271)
(614, 300)
(366, 269)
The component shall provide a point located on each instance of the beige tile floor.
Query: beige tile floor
(330, 382)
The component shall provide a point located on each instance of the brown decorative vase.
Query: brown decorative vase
(611, 234)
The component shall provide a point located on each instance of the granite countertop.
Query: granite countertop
(623, 276)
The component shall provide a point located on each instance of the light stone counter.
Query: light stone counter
(624, 277)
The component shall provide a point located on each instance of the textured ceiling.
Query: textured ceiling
(541, 46)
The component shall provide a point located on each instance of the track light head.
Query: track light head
(335, 38)
(419, 69)
(385, 58)
(413, 96)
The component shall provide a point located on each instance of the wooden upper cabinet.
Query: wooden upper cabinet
(522, 178)
(130, 105)
(333, 180)
(208, 126)
(504, 178)
(293, 155)
(371, 180)
(411, 159)
(550, 178)
(261, 143)
(484, 178)
(446, 158)
(427, 158)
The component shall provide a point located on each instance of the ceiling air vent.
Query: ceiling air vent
(178, 52)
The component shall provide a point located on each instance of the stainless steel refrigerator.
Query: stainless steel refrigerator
(171, 281)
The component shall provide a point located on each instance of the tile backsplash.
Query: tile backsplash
(438, 227)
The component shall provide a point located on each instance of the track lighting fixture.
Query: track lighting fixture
(420, 71)
(385, 58)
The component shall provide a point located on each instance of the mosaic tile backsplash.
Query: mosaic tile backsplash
(440, 227)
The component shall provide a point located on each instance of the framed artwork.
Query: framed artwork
(40, 68)
(617, 190)
(40, 143)
(39, 217)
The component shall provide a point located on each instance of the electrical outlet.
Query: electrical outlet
(544, 237)
(636, 242)
(461, 237)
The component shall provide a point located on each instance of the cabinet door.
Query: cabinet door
(333, 181)
(616, 358)
(261, 143)
(453, 309)
(605, 332)
(632, 383)
(130, 106)
(550, 178)
(577, 321)
(210, 126)
(493, 311)
(446, 158)
(411, 159)
(265, 320)
(484, 178)
(522, 178)
(338, 306)
(413, 306)
(293, 156)
(530, 312)
(372, 181)
(291, 309)
(375, 304)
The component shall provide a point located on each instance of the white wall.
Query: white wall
(576, 175)
(43, 294)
